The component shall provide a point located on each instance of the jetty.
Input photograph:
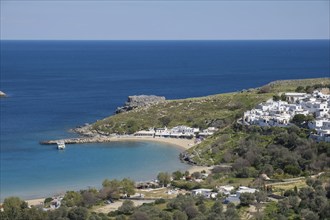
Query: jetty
(83, 140)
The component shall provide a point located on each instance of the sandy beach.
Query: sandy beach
(182, 143)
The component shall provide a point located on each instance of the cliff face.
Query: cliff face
(139, 101)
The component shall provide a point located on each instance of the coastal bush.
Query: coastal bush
(181, 202)
(127, 207)
(16, 209)
(179, 215)
(72, 198)
(160, 201)
(113, 189)
(48, 200)
(177, 175)
(191, 211)
(246, 199)
(89, 198)
(138, 215)
(164, 215)
(78, 213)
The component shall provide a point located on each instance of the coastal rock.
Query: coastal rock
(2, 94)
(85, 130)
(139, 101)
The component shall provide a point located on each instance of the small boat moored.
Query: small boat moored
(60, 145)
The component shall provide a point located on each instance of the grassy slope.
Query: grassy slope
(217, 110)
(200, 112)
(213, 149)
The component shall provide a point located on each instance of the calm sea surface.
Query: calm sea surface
(56, 85)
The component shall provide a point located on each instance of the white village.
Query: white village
(271, 113)
(280, 113)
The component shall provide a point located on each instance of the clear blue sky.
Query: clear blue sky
(165, 20)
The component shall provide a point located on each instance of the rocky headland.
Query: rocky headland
(137, 101)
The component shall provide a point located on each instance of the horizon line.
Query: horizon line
(281, 39)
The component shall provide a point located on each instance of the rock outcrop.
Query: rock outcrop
(137, 101)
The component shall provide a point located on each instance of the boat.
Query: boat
(60, 145)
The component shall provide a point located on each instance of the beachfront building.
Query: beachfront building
(175, 132)
(207, 132)
(144, 133)
(280, 113)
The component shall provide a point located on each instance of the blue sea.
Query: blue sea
(53, 86)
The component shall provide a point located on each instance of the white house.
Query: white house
(207, 193)
(226, 190)
(293, 97)
(279, 113)
(245, 189)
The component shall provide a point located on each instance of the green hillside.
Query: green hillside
(215, 110)
(276, 151)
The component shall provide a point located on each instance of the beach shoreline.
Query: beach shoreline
(177, 142)
(182, 144)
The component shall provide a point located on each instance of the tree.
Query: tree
(246, 199)
(217, 207)
(33, 214)
(165, 215)
(127, 207)
(177, 175)
(196, 175)
(231, 212)
(276, 98)
(78, 213)
(72, 198)
(301, 120)
(181, 202)
(202, 208)
(179, 215)
(260, 196)
(13, 208)
(292, 169)
(127, 187)
(191, 211)
(165, 121)
(59, 214)
(309, 215)
(89, 198)
(138, 215)
(164, 178)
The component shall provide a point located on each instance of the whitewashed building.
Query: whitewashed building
(207, 193)
(280, 113)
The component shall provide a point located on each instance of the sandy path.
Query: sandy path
(114, 206)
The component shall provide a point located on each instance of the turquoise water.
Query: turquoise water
(56, 85)
(51, 171)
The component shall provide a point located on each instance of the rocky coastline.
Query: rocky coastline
(137, 101)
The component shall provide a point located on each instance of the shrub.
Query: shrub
(160, 201)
